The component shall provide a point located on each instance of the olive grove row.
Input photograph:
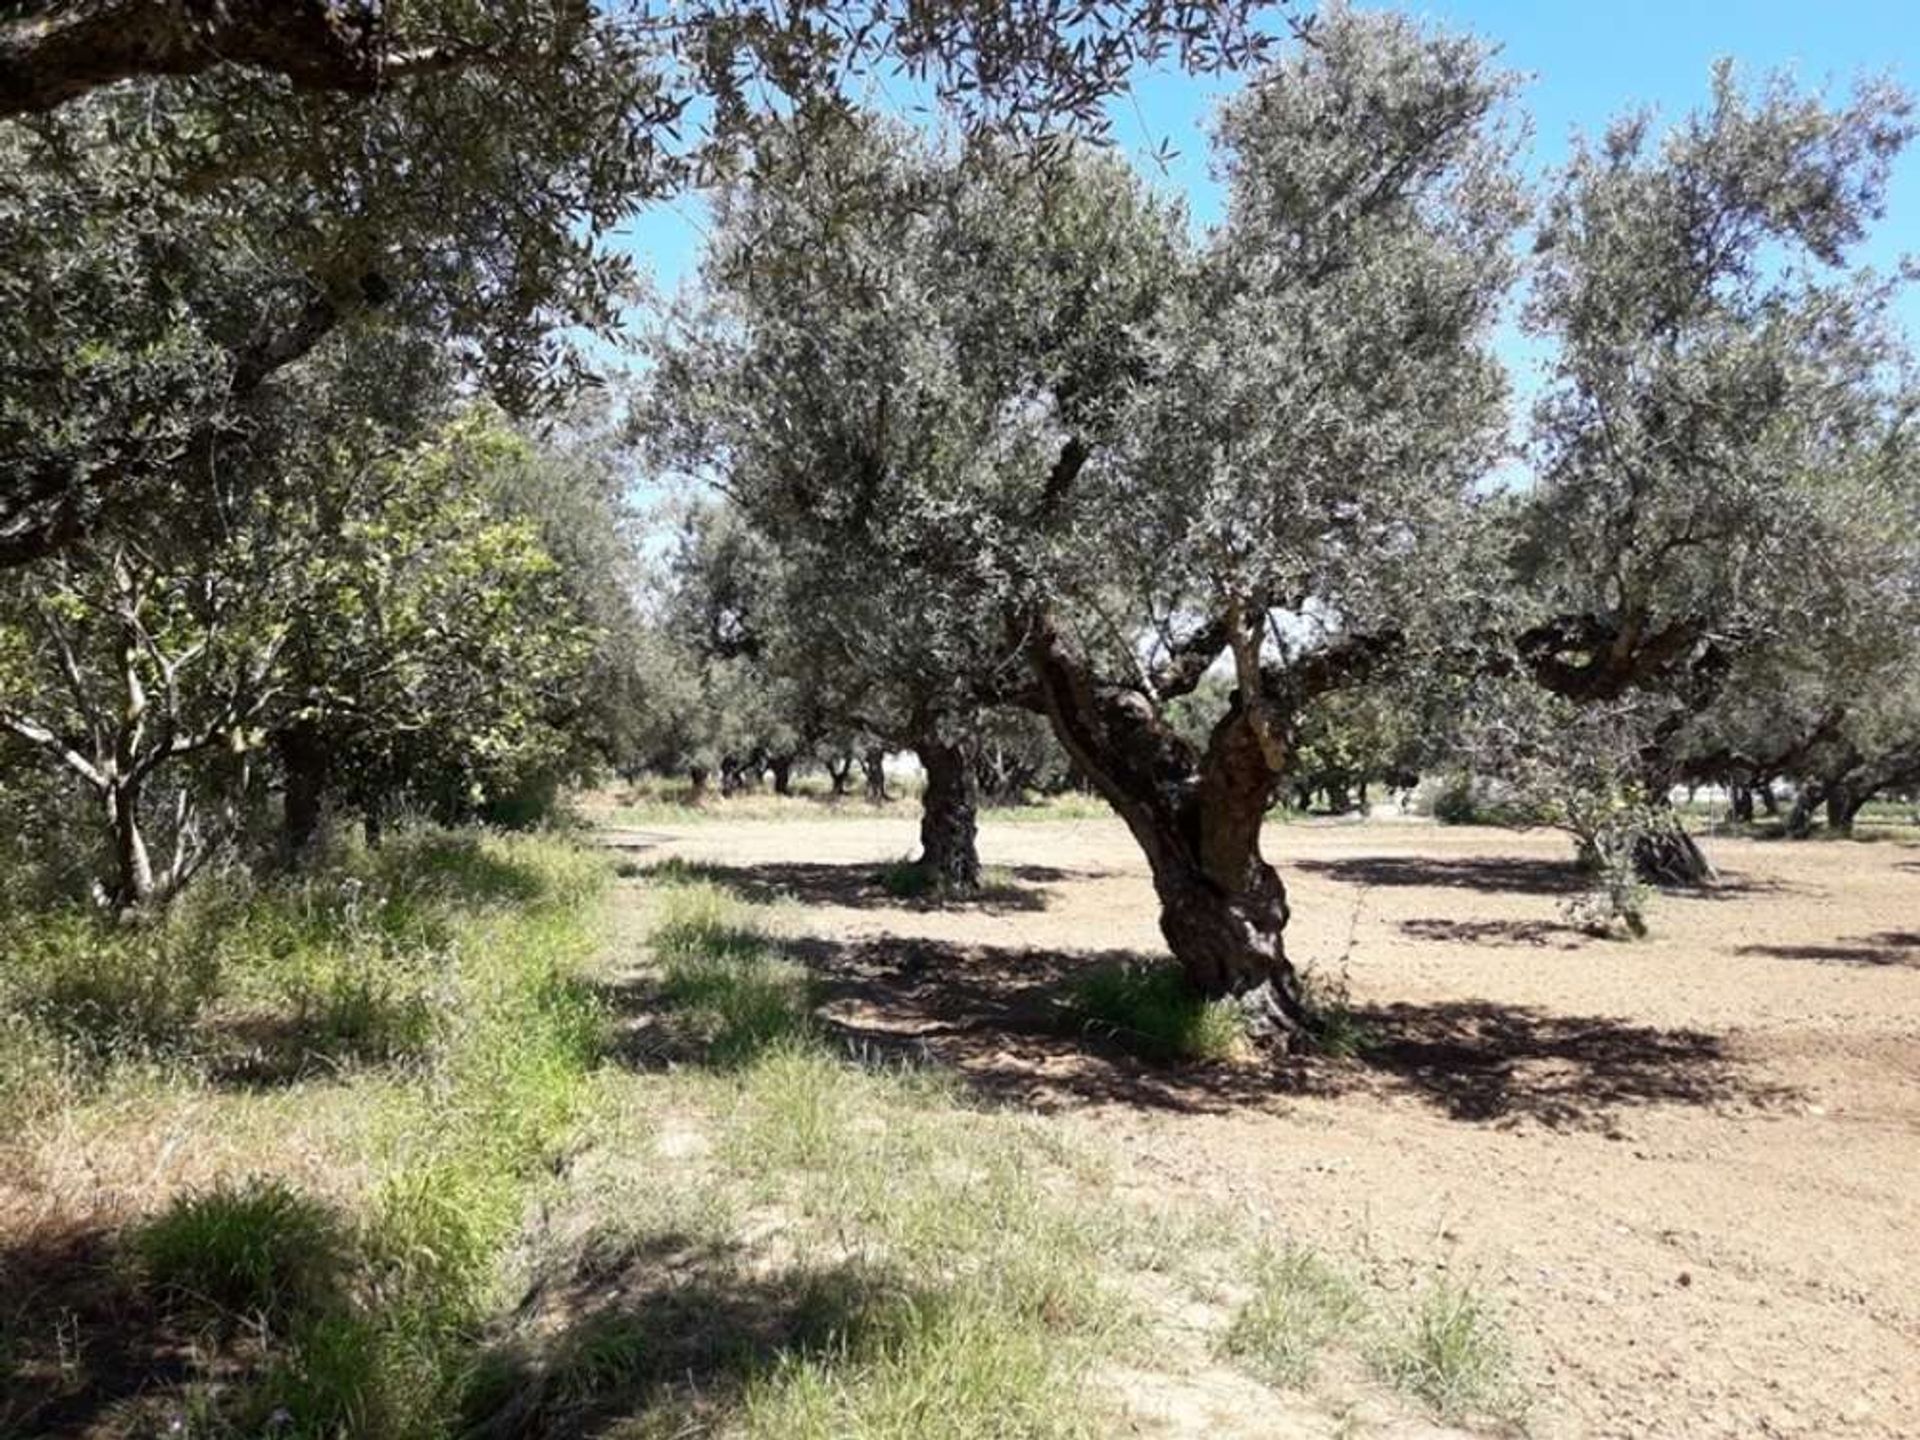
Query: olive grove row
(1005, 461)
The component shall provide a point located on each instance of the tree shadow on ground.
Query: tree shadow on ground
(663, 1327)
(1889, 947)
(998, 1017)
(863, 886)
(1498, 932)
(82, 1346)
(1500, 874)
(1481, 1061)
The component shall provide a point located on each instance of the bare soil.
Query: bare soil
(1687, 1167)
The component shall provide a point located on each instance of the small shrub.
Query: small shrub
(1608, 844)
(253, 1249)
(1452, 1353)
(1450, 801)
(908, 880)
(1150, 1007)
(1463, 798)
(1300, 1305)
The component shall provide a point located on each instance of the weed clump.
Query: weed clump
(1300, 1305)
(1451, 1352)
(1151, 1008)
(254, 1249)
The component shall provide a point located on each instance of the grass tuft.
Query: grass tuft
(1451, 1352)
(1300, 1305)
(1151, 1008)
(256, 1249)
(910, 880)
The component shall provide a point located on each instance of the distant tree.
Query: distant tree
(1725, 447)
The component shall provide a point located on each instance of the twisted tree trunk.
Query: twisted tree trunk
(949, 815)
(839, 772)
(873, 764)
(1197, 818)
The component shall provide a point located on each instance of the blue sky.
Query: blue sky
(1586, 59)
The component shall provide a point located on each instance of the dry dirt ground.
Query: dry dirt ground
(1688, 1167)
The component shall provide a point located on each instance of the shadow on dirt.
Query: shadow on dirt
(998, 1016)
(667, 1327)
(1889, 947)
(862, 886)
(80, 1344)
(1491, 874)
(1499, 932)
(1501, 875)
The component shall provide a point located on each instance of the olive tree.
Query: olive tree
(269, 173)
(866, 376)
(1725, 452)
(1020, 404)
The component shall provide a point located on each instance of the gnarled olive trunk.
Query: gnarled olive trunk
(697, 777)
(1740, 801)
(1842, 806)
(949, 815)
(839, 772)
(873, 763)
(1197, 818)
(782, 768)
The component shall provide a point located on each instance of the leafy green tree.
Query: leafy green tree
(437, 647)
(1018, 404)
(172, 251)
(1726, 456)
(379, 624)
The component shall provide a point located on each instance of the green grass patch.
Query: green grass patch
(1149, 1007)
(1450, 1351)
(910, 880)
(249, 1250)
(461, 955)
(1299, 1307)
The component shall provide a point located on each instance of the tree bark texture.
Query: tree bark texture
(1197, 818)
(949, 815)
